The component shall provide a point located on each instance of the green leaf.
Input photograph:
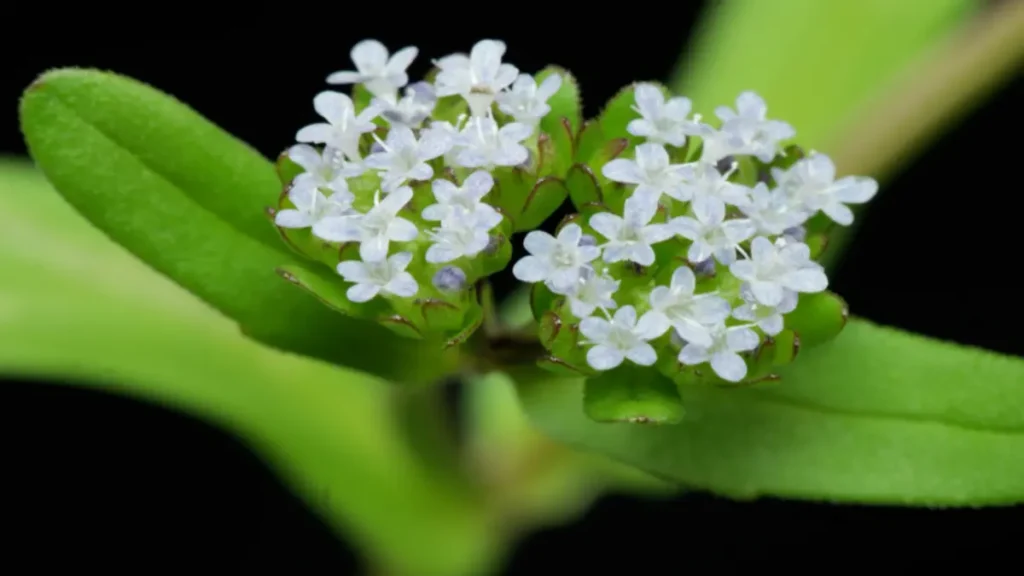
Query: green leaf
(583, 187)
(632, 395)
(875, 416)
(75, 307)
(547, 195)
(163, 182)
(565, 103)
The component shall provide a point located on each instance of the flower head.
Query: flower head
(372, 278)
(622, 336)
(593, 291)
(412, 109)
(525, 101)
(374, 230)
(661, 121)
(773, 212)
(746, 131)
(558, 262)
(478, 77)
(723, 352)
(405, 158)
(652, 172)
(767, 318)
(774, 268)
(689, 314)
(482, 144)
(810, 183)
(469, 196)
(382, 75)
(630, 236)
(711, 233)
(326, 169)
(703, 183)
(343, 127)
(462, 233)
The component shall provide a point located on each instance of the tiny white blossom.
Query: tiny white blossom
(651, 172)
(484, 145)
(462, 233)
(775, 268)
(412, 109)
(343, 127)
(811, 183)
(689, 314)
(711, 233)
(325, 169)
(746, 131)
(372, 278)
(630, 236)
(620, 337)
(312, 206)
(374, 230)
(382, 75)
(478, 77)
(525, 101)
(723, 352)
(593, 291)
(558, 262)
(468, 196)
(405, 158)
(773, 212)
(703, 183)
(768, 318)
(663, 122)
(439, 128)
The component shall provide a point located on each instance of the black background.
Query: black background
(99, 481)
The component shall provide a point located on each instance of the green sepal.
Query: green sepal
(773, 352)
(329, 291)
(547, 195)
(541, 299)
(440, 316)
(512, 185)
(560, 367)
(619, 112)
(565, 103)
(555, 149)
(817, 318)
(400, 325)
(632, 394)
(817, 243)
(471, 322)
(498, 260)
(608, 151)
(287, 169)
(583, 186)
(589, 140)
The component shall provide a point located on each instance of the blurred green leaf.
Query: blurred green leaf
(875, 416)
(187, 199)
(75, 307)
(813, 62)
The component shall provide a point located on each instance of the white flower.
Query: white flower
(811, 183)
(726, 343)
(449, 196)
(558, 262)
(768, 318)
(322, 169)
(525, 101)
(593, 291)
(372, 278)
(663, 122)
(381, 75)
(484, 145)
(374, 230)
(774, 268)
(343, 127)
(772, 211)
(711, 233)
(704, 183)
(690, 314)
(462, 233)
(651, 171)
(404, 158)
(630, 236)
(439, 128)
(746, 131)
(622, 336)
(413, 108)
(478, 77)
(312, 206)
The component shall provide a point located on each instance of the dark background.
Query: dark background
(100, 481)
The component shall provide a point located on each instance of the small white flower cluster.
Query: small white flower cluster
(321, 195)
(720, 217)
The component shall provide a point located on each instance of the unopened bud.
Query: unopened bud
(450, 278)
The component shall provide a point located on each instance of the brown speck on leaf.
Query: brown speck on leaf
(796, 344)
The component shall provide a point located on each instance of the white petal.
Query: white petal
(626, 316)
(693, 333)
(684, 280)
(642, 354)
(289, 218)
(603, 357)
(641, 253)
(442, 253)
(362, 292)
(623, 170)
(710, 309)
(374, 249)
(729, 366)
(595, 328)
(655, 233)
(839, 213)
(435, 212)
(617, 252)
(745, 313)
(548, 87)
(687, 227)
(531, 269)
(354, 271)
(652, 157)
(539, 243)
(402, 230)
(478, 184)
(403, 285)
(306, 156)
(699, 251)
(338, 229)
(570, 234)
(741, 339)
(345, 77)
(771, 325)
(399, 261)
(744, 270)
(516, 131)
(333, 106)
(805, 280)
(607, 224)
(767, 293)
(581, 309)
(397, 199)
(401, 60)
(420, 172)
(692, 354)
(641, 127)
(317, 133)
(738, 230)
(370, 56)
(649, 99)
(855, 189)
(761, 248)
(652, 325)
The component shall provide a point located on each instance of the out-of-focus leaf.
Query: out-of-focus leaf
(75, 307)
(162, 181)
(875, 416)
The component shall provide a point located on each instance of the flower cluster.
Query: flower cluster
(733, 209)
(694, 243)
(404, 172)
